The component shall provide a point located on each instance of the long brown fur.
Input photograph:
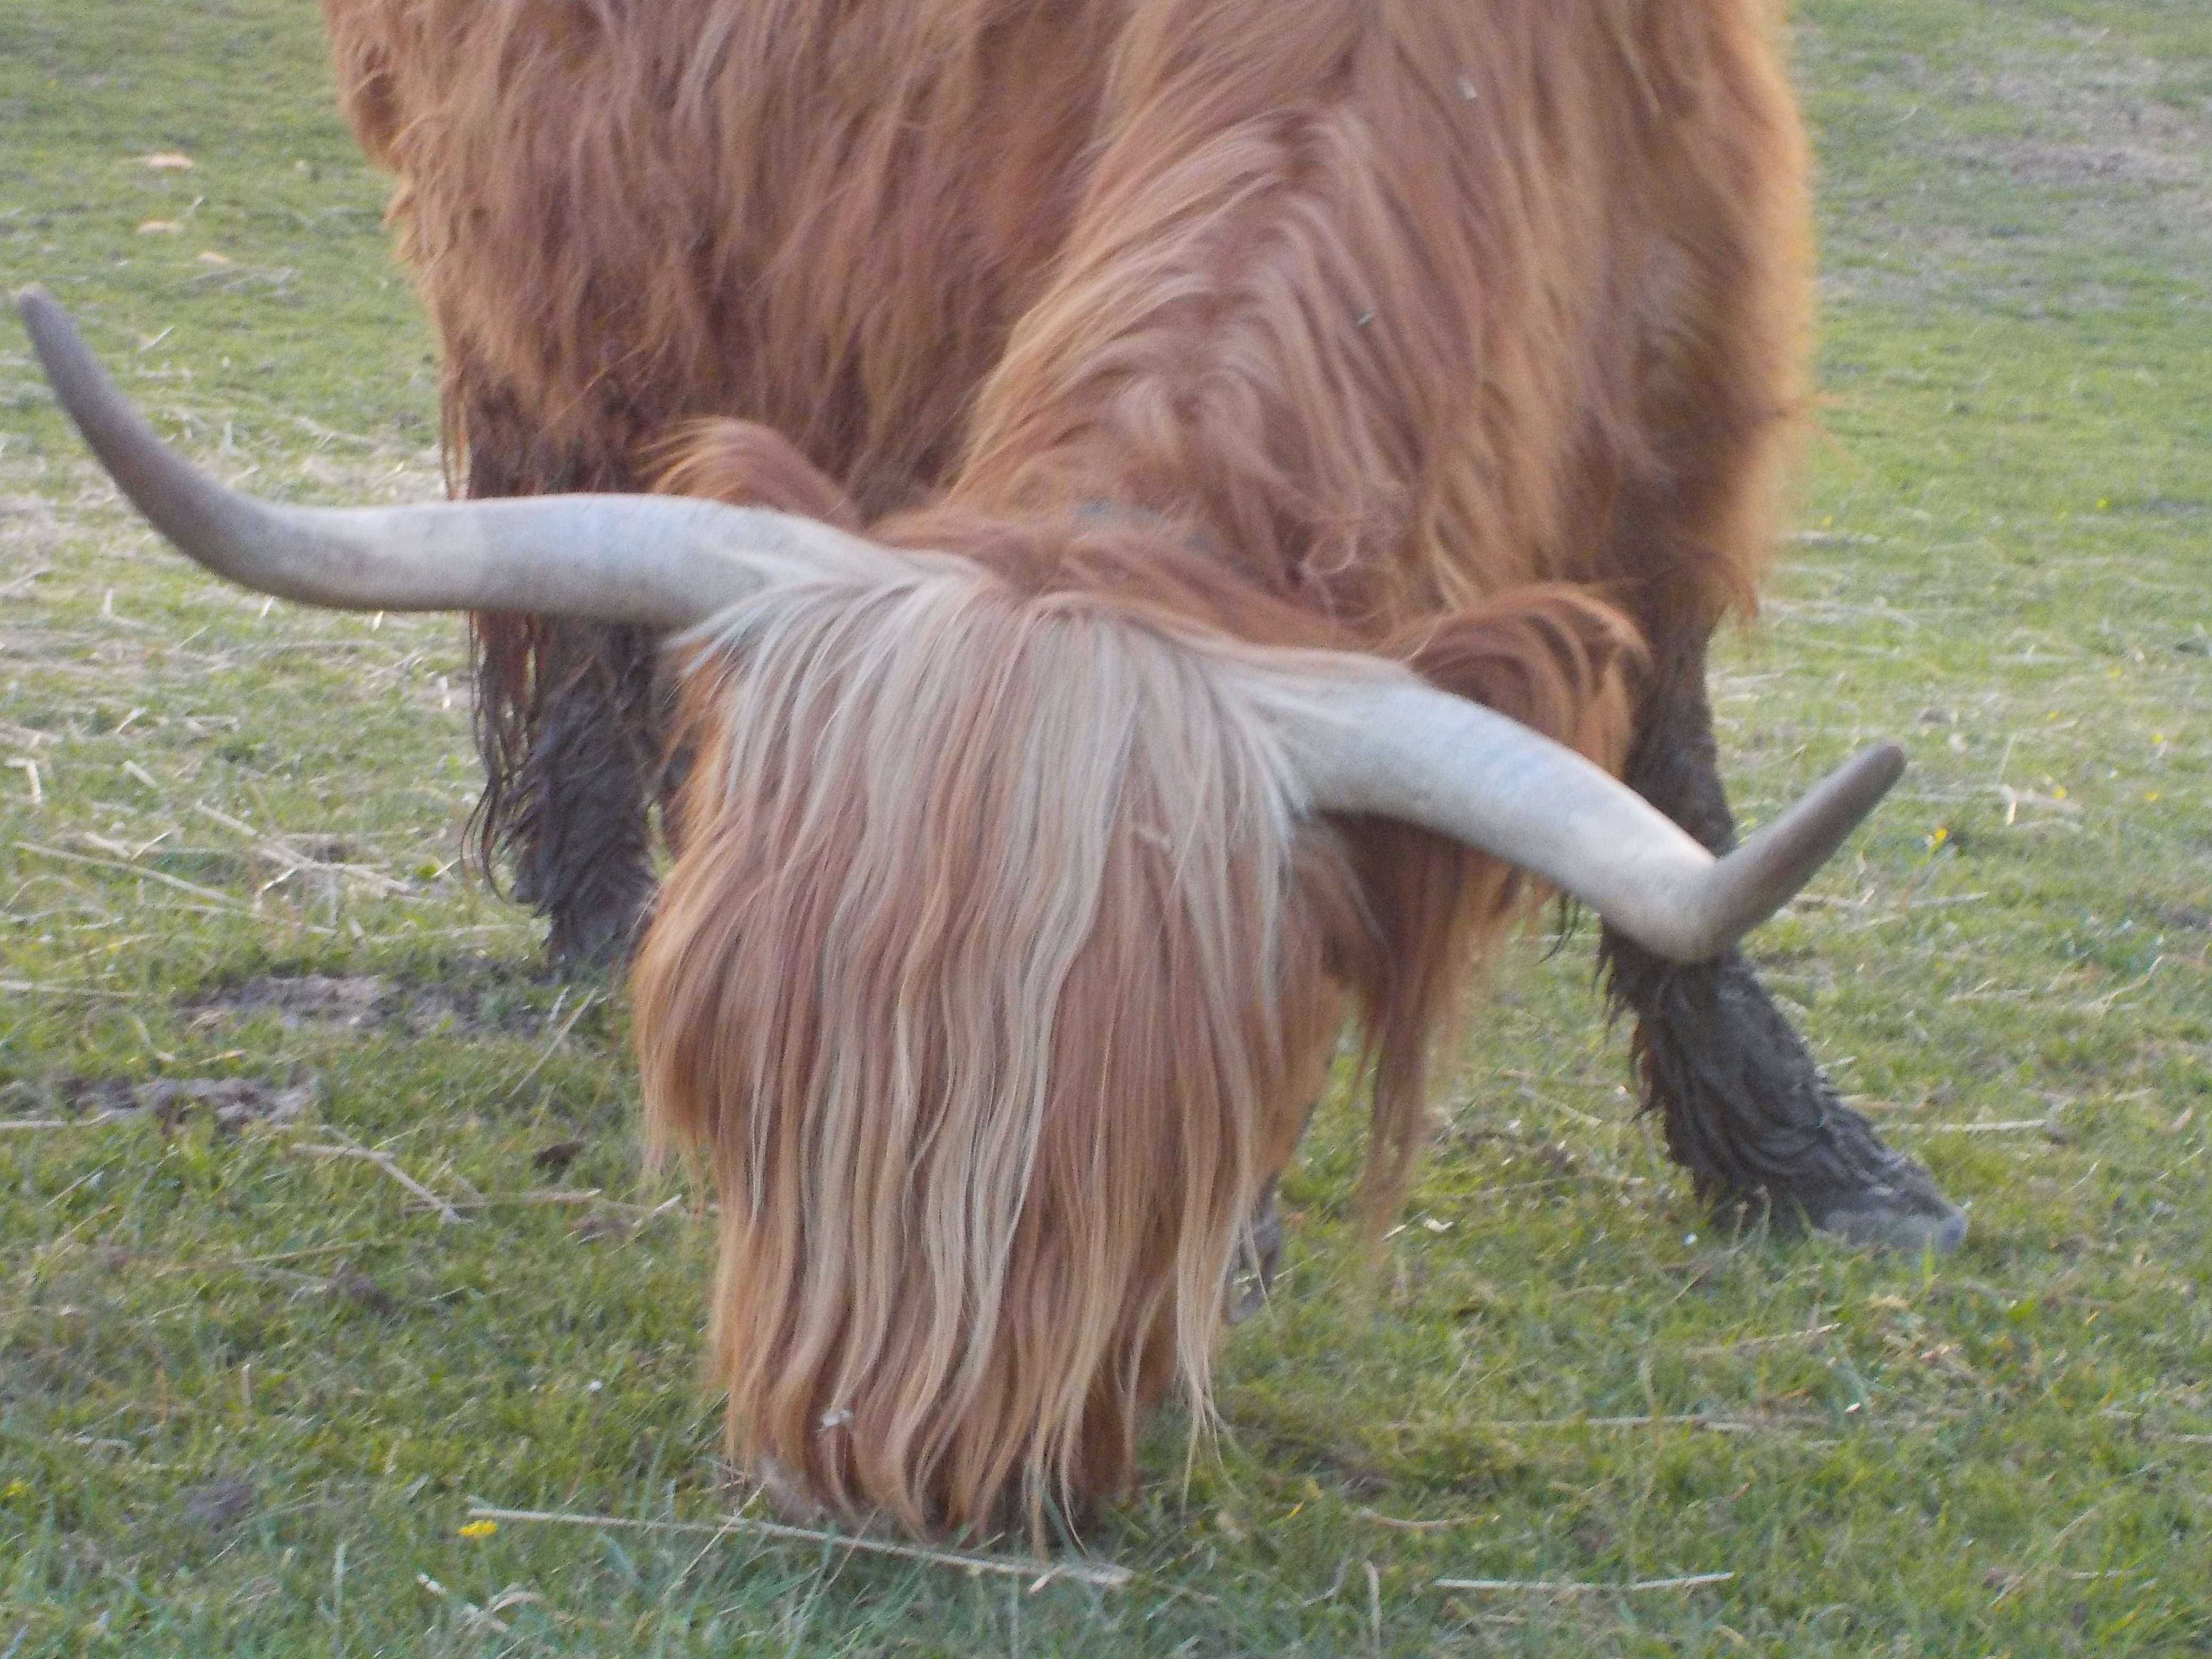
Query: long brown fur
(999, 963)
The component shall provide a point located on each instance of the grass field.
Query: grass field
(252, 1383)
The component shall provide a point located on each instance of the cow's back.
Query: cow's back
(831, 216)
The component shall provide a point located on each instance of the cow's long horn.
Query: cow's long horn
(660, 561)
(1400, 750)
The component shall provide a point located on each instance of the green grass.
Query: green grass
(247, 1391)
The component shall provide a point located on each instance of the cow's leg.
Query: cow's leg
(1746, 1109)
(1729, 296)
(577, 828)
(566, 722)
(1252, 1275)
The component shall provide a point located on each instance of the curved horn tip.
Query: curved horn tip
(1856, 786)
(36, 306)
(53, 332)
(1885, 760)
(1758, 878)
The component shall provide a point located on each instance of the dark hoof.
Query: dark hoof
(1879, 1199)
(1876, 1221)
(593, 935)
(1755, 1121)
(589, 952)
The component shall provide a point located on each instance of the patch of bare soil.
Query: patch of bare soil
(2107, 99)
(2106, 124)
(230, 1102)
(344, 1002)
(2077, 164)
(2079, 135)
(486, 999)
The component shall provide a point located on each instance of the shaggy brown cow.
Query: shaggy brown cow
(1194, 459)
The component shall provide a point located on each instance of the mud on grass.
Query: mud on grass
(482, 997)
(251, 1380)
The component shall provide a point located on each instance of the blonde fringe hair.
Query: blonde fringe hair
(985, 981)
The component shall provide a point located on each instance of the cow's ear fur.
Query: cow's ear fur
(1561, 662)
(744, 463)
(1549, 656)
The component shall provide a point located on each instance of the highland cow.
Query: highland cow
(1171, 514)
